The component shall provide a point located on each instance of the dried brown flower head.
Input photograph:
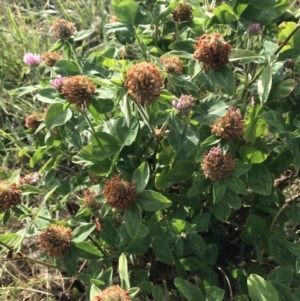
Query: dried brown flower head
(50, 58)
(89, 197)
(78, 90)
(55, 240)
(119, 193)
(230, 126)
(113, 293)
(33, 121)
(172, 65)
(212, 51)
(217, 166)
(183, 13)
(144, 82)
(10, 195)
(62, 29)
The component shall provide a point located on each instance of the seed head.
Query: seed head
(216, 166)
(183, 13)
(289, 64)
(144, 82)
(212, 51)
(230, 126)
(31, 59)
(78, 90)
(57, 82)
(254, 29)
(50, 58)
(62, 29)
(10, 195)
(33, 121)
(113, 293)
(119, 193)
(172, 65)
(55, 240)
(89, 196)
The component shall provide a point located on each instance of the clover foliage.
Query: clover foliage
(166, 160)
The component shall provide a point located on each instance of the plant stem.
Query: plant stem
(142, 48)
(144, 116)
(92, 127)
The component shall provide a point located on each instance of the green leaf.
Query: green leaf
(280, 252)
(260, 179)
(264, 84)
(236, 184)
(57, 115)
(133, 220)
(158, 293)
(179, 244)
(200, 223)
(224, 14)
(184, 144)
(239, 168)
(180, 172)
(196, 243)
(215, 294)
(221, 211)
(293, 145)
(150, 200)
(181, 54)
(244, 56)
(281, 89)
(47, 95)
(225, 78)
(254, 225)
(162, 250)
(282, 275)
(260, 289)
(188, 290)
(101, 106)
(86, 251)
(82, 34)
(140, 177)
(70, 261)
(66, 68)
(254, 126)
(140, 245)
(275, 121)
(82, 232)
(219, 189)
(251, 154)
(232, 199)
(127, 134)
(123, 272)
(284, 293)
(109, 145)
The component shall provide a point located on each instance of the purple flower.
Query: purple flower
(57, 82)
(254, 29)
(174, 103)
(34, 179)
(31, 59)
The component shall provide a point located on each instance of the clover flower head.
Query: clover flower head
(89, 196)
(113, 293)
(254, 29)
(50, 58)
(33, 121)
(119, 193)
(31, 59)
(63, 29)
(212, 51)
(79, 90)
(173, 65)
(230, 126)
(217, 166)
(10, 195)
(55, 240)
(184, 104)
(31, 178)
(57, 82)
(144, 82)
(183, 13)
